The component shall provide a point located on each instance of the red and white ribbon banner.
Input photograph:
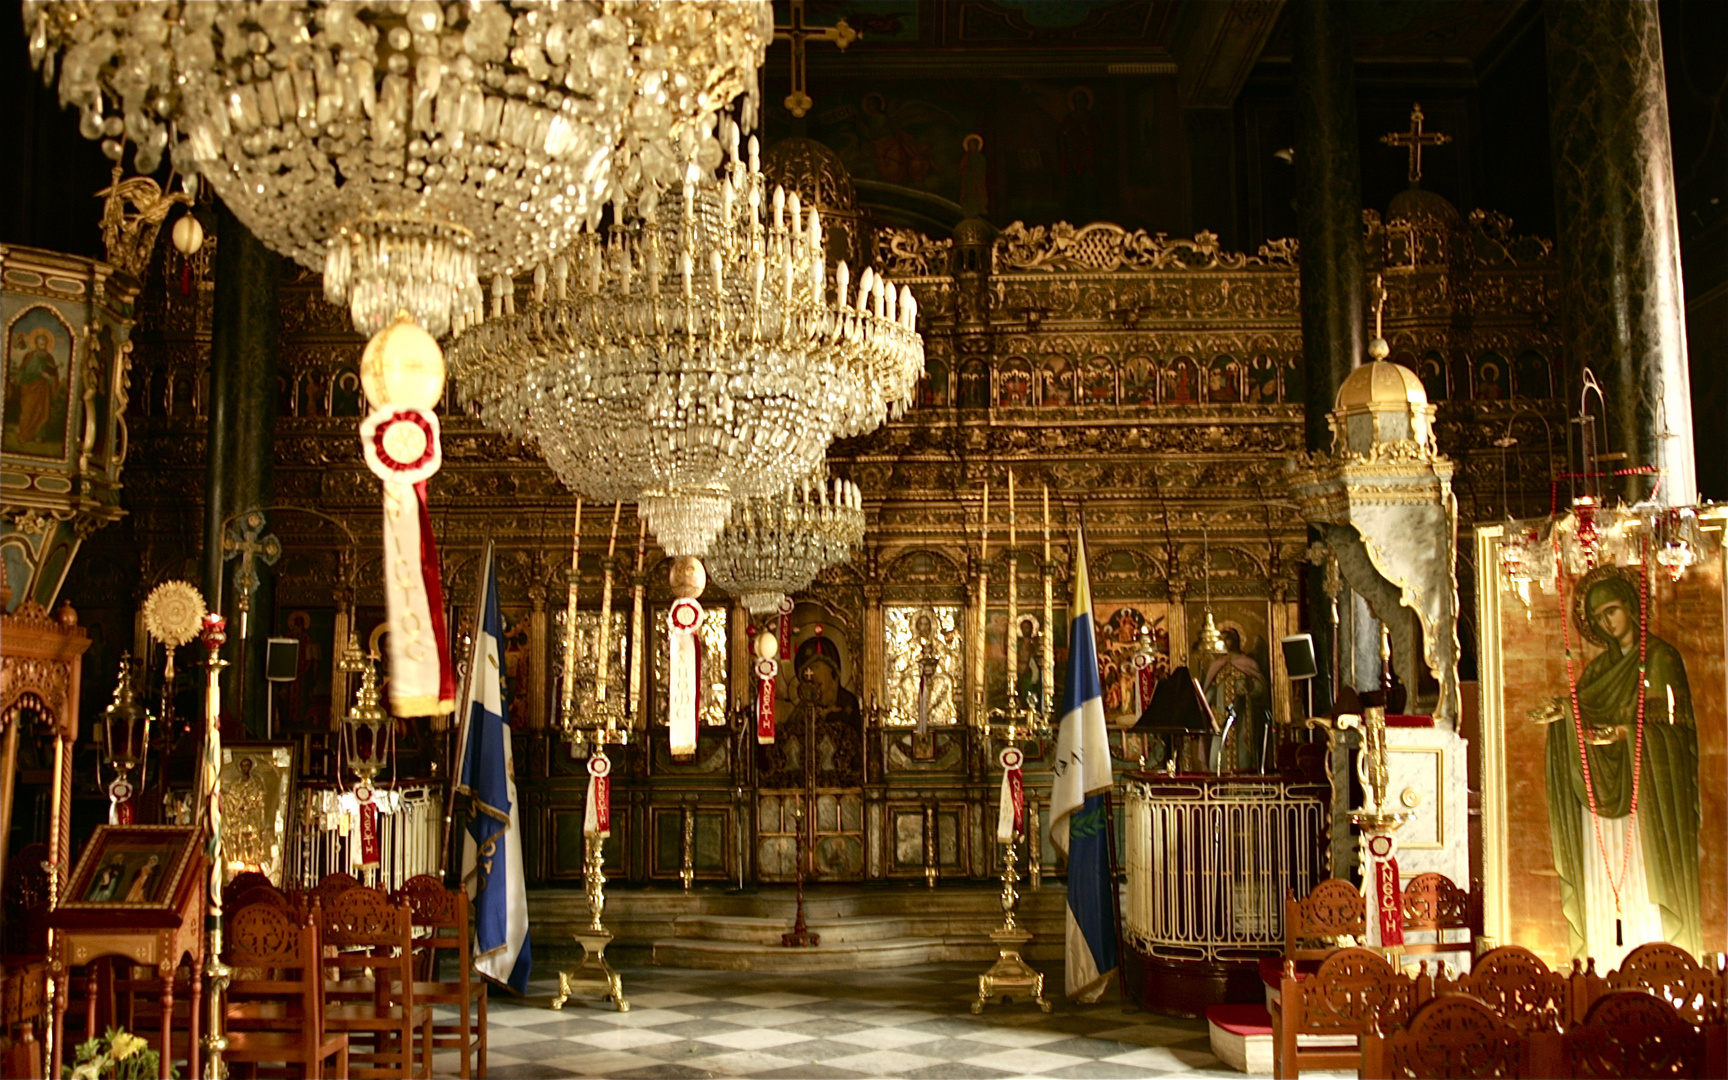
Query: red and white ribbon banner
(683, 695)
(785, 628)
(401, 447)
(1388, 895)
(766, 669)
(120, 807)
(1011, 810)
(368, 846)
(597, 821)
(1145, 681)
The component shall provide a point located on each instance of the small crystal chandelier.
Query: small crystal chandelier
(774, 546)
(406, 148)
(688, 357)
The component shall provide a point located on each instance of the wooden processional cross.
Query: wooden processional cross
(1414, 140)
(841, 34)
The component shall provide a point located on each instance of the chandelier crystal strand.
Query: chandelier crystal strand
(774, 546)
(405, 147)
(694, 354)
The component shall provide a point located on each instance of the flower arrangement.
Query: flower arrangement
(117, 1055)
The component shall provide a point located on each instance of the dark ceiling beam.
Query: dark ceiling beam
(1217, 46)
(912, 64)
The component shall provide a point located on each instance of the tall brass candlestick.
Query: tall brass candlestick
(568, 702)
(602, 659)
(1011, 667)
(637, 636)
(1047, 654)
(978, 695)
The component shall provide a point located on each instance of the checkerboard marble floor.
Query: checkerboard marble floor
(910, 1022)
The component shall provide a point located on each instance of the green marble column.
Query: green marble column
(1329, 217)
(1619, 239)
(241, 441)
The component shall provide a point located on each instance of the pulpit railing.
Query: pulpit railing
(1209, 860)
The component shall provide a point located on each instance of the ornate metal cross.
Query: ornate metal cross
(1414, 140)
(841, 34)
(242, 540)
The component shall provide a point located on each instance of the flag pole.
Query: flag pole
(454, 780)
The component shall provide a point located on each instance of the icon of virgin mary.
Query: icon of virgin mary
(1654, 872)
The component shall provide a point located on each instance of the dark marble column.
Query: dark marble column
(241, 442)
(1618, 233)
(1329, 223)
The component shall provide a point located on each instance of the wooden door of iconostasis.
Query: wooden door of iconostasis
(810, 780)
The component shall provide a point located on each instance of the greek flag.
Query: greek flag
(1077, 821)
(492, 845)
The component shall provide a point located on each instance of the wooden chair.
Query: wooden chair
(1631, 1033)
(1669, 972)
(1434, 905)
(1518, 986)
(373, 941)
(275, 1006)
(332, 886)
(1450, 1035)
(1313, 928)
(442, 918)
(1352, 989)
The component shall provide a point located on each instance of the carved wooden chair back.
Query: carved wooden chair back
(275, 958)
(244, 880)
(275, 1001)
(332, 886)
(1451, 1035)
(1433, 904)
(1633, 1033)
(1313, 924)
(1670, 973)
(373, 943)
(1353, 989)
(1518, 986)
(441, 918)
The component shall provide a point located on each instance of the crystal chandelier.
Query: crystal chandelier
(774, 546)
(407, 148)
(693, 355)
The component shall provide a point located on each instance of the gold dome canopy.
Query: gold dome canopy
(820, 178)
(1381, 384)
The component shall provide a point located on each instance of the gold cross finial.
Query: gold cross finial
(1414, 140)
(841, 34)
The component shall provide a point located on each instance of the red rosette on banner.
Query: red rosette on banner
(598, 819)
(1011, 810)
(766, 669)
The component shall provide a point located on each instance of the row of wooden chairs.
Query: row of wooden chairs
(1627, 1033)
(1356, 990)
(1336, 911)
(380, 968)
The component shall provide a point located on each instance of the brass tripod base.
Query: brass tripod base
(593, 975)
(1010, 976)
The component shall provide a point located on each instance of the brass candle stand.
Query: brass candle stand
(591, 722)
(1011, 976)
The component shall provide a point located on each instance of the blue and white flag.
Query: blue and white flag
(492, 844)
(1077, 820)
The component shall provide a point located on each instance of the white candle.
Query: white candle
(601, 657)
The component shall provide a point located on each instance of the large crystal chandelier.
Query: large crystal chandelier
(407, 148)
(775, 545)
(694, 354)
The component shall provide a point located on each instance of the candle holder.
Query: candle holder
(1011, 976)
(593, 975)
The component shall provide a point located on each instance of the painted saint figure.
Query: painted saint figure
(139, 891)
(1658, 897)
(38, 379)
(244, 806)
(107, 881)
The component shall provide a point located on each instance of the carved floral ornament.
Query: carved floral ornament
(1102, 246)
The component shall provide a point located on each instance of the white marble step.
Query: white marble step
(767, 930)
(828, 956)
